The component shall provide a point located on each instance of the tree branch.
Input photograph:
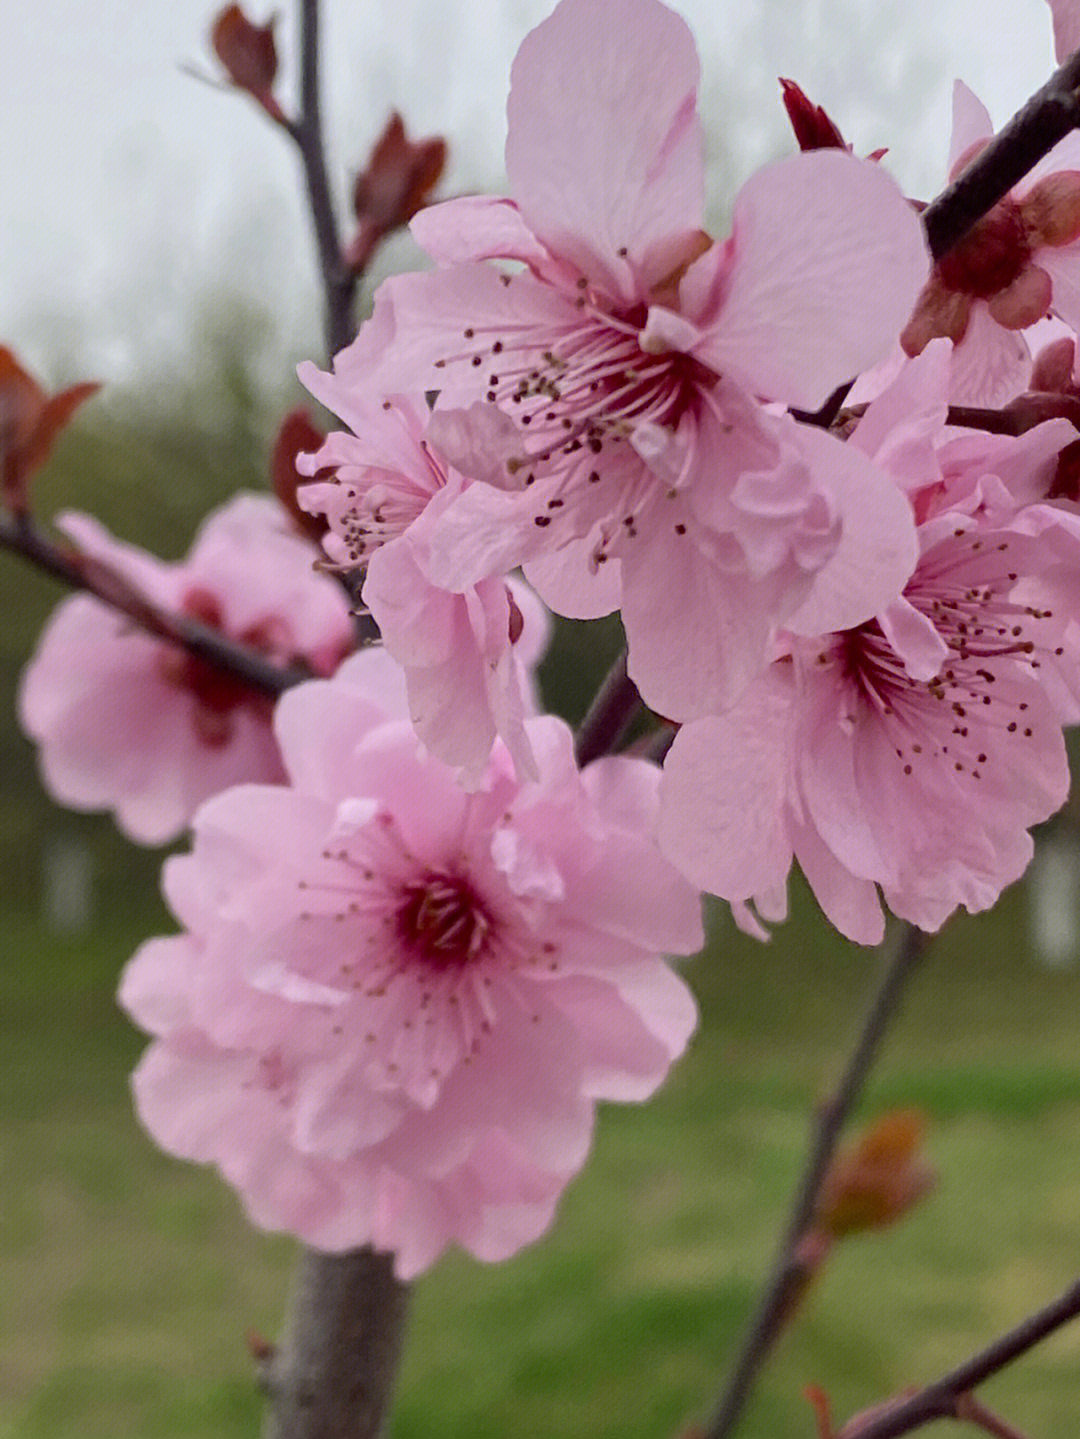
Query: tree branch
(1032, 132)
(794, 1260)
(80, 572)
(949, 1396)
(614, 706)
(339, 282)
(333, 1374)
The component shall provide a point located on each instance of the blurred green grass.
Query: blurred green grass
(128, 1281)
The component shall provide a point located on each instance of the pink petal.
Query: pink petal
(971, 124)
(604, 149)
(477, 227)
(1066, 14)
(878, 548)
(807, 304)
(722, 804)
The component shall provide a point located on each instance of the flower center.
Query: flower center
(578, 387)
(216, 693)
(992, 254)
(441, 918)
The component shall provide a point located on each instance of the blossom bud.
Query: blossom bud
(878, 1180)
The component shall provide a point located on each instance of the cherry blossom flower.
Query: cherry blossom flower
(630, 351)
(128, 722)
(395, 1003)
(1017, 264)
(913, 751)
(462, 652)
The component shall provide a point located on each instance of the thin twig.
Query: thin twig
(614, 706)
(339, 282)
(945, 1398)
(79, 572)
(790, 1266)
(973, 1411)
(1032, 132)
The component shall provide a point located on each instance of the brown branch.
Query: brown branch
(332, 1375)
(1032, 132)
(795, 1258)
(339, 282)
(949, 1397)
(614, 707)
(80, 572)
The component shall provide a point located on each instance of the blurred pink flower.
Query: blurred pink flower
(395, 1002)
(466, 655)
(130, 723)
(627, 352)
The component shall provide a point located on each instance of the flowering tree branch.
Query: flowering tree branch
(950, 1396)
(1032, 132)
(794, 1260)
(339, 281)
(80, 572)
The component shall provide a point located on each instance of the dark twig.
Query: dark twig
(791, 1265)
(1032, 132)
(79, 572)
(614, 706)
(333, 1374)
(1016, 418)
(339, 282)
(949, 1396)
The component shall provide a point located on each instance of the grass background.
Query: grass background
(128, 1281)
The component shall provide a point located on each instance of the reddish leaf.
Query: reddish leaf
(400, 175)
(249, 55)
(296, 436)
(813, 128)
(30, 421)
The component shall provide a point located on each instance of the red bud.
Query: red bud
(813, 128)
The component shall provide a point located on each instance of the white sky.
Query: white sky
(127, 187)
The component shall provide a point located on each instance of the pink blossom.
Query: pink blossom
(130, 723)
(1019, 263)
(914, 751)
(629, 351)
(395, 1003)
(462, 652)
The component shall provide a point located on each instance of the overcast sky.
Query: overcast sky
(126, 186)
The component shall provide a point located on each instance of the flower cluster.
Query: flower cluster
(411, 964)
(396, 1001)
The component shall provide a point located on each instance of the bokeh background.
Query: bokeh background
(153, 237)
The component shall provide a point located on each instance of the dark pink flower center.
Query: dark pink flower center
(975, 700)
(217, 694)
(441, 919)
(576, 388)
(992, 254)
